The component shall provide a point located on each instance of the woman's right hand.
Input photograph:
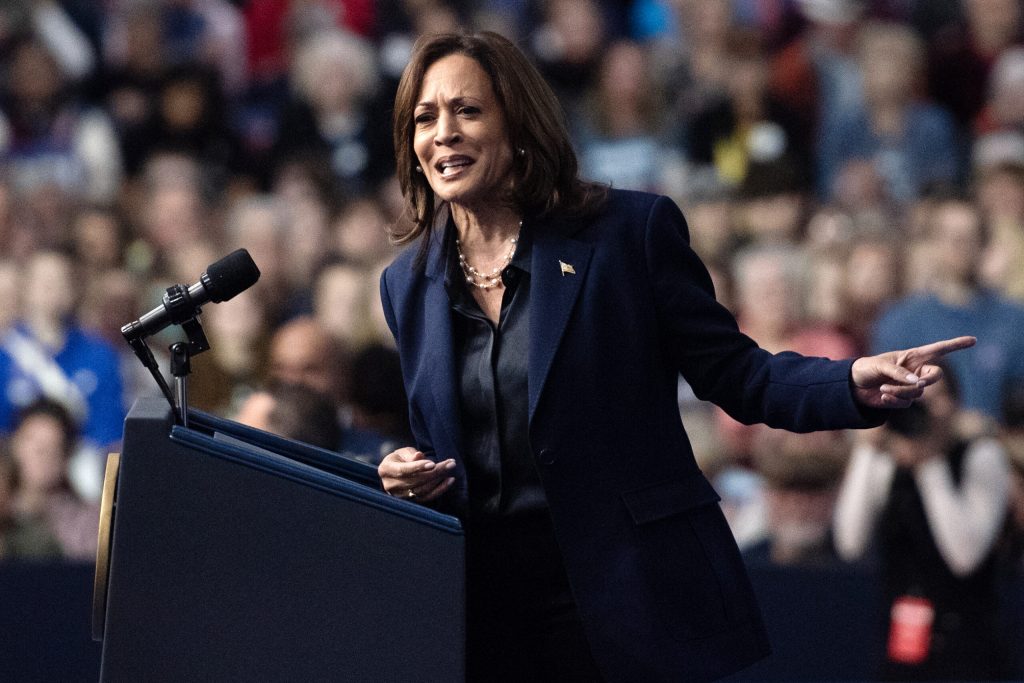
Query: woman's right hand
(408, 473)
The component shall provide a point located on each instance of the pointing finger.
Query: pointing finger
(941, 348)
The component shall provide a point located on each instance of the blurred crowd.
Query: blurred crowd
(852, 172)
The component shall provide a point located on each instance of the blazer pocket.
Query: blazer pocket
(693, 571)
(668, 498)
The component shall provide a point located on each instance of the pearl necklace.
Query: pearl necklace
(492, 279)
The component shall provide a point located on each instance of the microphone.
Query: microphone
(222, 280)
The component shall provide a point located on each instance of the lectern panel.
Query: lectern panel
(233, 565)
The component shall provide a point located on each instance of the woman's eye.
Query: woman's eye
(423, 118)
(469, 111)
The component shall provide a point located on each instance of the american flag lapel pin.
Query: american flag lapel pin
(567, 268)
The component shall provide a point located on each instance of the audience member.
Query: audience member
(910, 143)
(47, 137)
(963, 52)
(49, 354)
(1011, 435)
(1000, 198)
(20, 538)
(1012, 551)
(618, 139)
(956, 302)
(748, 125)
(359, 232)
(334, 78)
(41, 446)
(933, 503)
(302, 351)
(770, 296)
(1004, 105)
(801, 475)
(341, 294)
(770, 202)
(189, 117)
(378, 395)
(872, 281)
(293, 411)
(226, 374)
(816, 75)
(259, 224)
(568, 44)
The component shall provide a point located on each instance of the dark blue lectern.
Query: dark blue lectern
(229, 554)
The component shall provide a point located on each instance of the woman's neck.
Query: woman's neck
(484, 230)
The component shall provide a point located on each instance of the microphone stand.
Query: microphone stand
(183, 311)
(144, 353)
(181, 362)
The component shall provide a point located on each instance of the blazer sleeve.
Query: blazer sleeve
(785, 390)
(421, 436)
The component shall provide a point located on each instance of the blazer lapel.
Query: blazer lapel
(558, 268)
(439, 355)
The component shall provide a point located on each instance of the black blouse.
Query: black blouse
(491, 362)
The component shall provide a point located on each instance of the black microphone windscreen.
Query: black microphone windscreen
(231, 275)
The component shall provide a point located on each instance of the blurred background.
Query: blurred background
(852, 172)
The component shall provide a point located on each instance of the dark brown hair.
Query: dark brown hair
(545, 173)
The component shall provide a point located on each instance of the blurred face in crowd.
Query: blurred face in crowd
(302, 352)
(825, 293)
(339, 302)
(183, 104)
(39, 449)
(260, 229)
(173, 217)
(1001, 194)
(97, 240)
(711, 230)
(766, 294)
(871, 274)
(993, 23)
(747, 82)
(891, 62)
(579, 28)
(255, 411)
(49, 290)
(957, 240)
(360, 233)
(624, 74)
(34, 75)
(109, 299)
(460, 137)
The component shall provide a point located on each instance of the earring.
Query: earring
(419, 169)
(520, 151)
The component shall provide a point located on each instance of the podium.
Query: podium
(230, 554)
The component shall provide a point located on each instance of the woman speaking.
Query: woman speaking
(542, 322)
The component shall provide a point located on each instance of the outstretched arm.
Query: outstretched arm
(898, 378)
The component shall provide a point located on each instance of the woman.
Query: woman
(541, 330)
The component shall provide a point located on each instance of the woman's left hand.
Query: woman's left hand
(897, 378)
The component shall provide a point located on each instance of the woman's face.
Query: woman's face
(460, 137)
(38, 449)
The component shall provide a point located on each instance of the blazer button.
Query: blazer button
(547, 456)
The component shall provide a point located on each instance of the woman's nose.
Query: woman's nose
(447, 132)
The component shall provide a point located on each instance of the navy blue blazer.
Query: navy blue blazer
(659, 583)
